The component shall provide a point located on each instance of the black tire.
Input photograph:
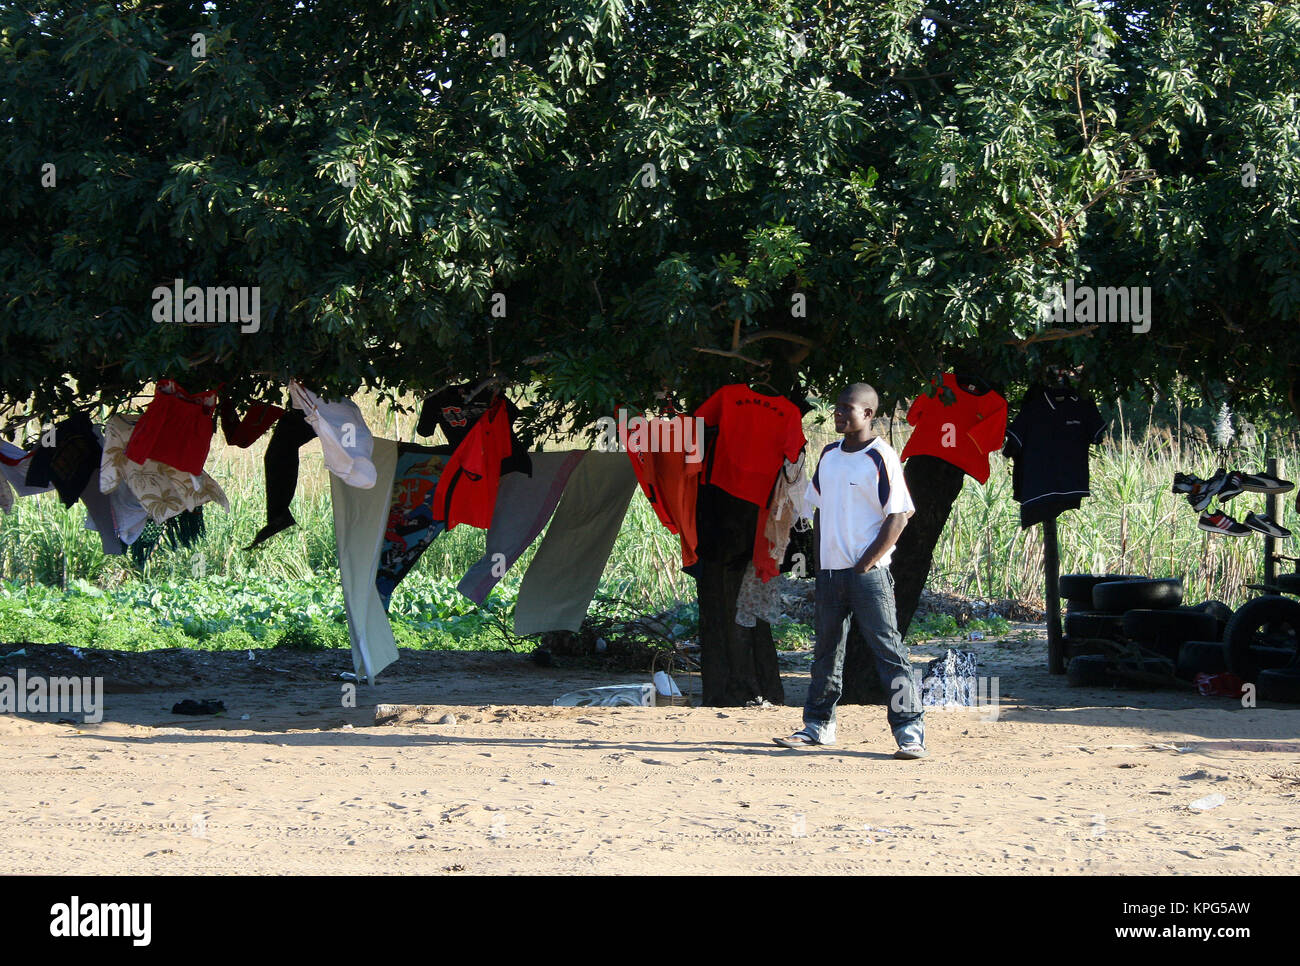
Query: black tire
(1172, 626)
(1221, 613)
(1280, 684)
(1268, 658)
(1079, 586)
(1084, 624)
(1098, 670)
(1265, 622)
(1119, 596)
(1195, 657)
(1089, 670)
(1074, 605)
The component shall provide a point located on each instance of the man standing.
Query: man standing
(859, 489)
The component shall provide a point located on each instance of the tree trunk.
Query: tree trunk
(934, 486)
(737, 664)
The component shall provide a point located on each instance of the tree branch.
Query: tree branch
(1053, 335)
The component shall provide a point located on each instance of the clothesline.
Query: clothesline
(392, 499)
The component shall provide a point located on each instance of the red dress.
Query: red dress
(176, 429)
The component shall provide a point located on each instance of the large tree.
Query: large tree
(650, 195)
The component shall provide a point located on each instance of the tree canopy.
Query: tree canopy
(651, 195)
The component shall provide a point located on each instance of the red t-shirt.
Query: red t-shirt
(963, 433)
(756, 434)
(467, 488)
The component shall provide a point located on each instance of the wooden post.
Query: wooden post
(1270, 545)
(1052, 590)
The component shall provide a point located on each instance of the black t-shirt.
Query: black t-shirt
(449, 410)
(70, 462)
(1049, 442)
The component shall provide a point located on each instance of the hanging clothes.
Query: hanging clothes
(128, 513)
(280, 463)
(71, 462)
(181, 531)
(163, 491)
(467, 490)
(345, 439)
(99, 510)
(410, 527)
(757, 599)
(565, 572)
(360, 516)
(455, 411)
(524, 505)
(669, 481)
(247, 431)
(787, 506)
(756, 433)
(176, 429)
(963, 433)
(15, 463)
(1049, 442)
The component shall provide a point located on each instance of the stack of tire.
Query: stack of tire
(1127, 608)
(1257, 643)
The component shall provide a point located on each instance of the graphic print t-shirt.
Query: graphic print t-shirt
(456, 416)
(855, 492)
(1049, 442)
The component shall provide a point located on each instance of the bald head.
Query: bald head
(862, 395)
(854, 410)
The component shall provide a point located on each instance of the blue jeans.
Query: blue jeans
(869, 599)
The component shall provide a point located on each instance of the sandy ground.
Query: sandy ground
(1065, 779)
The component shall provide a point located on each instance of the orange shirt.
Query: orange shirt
(467, 488)
(672, 485)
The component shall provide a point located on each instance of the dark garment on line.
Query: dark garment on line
(69, 464)
(245, 432)
(449, 410)
(1049, 442)
(181, 532)
(281, 463)
(99, 507)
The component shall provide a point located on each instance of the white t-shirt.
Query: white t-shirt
(855, 492)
